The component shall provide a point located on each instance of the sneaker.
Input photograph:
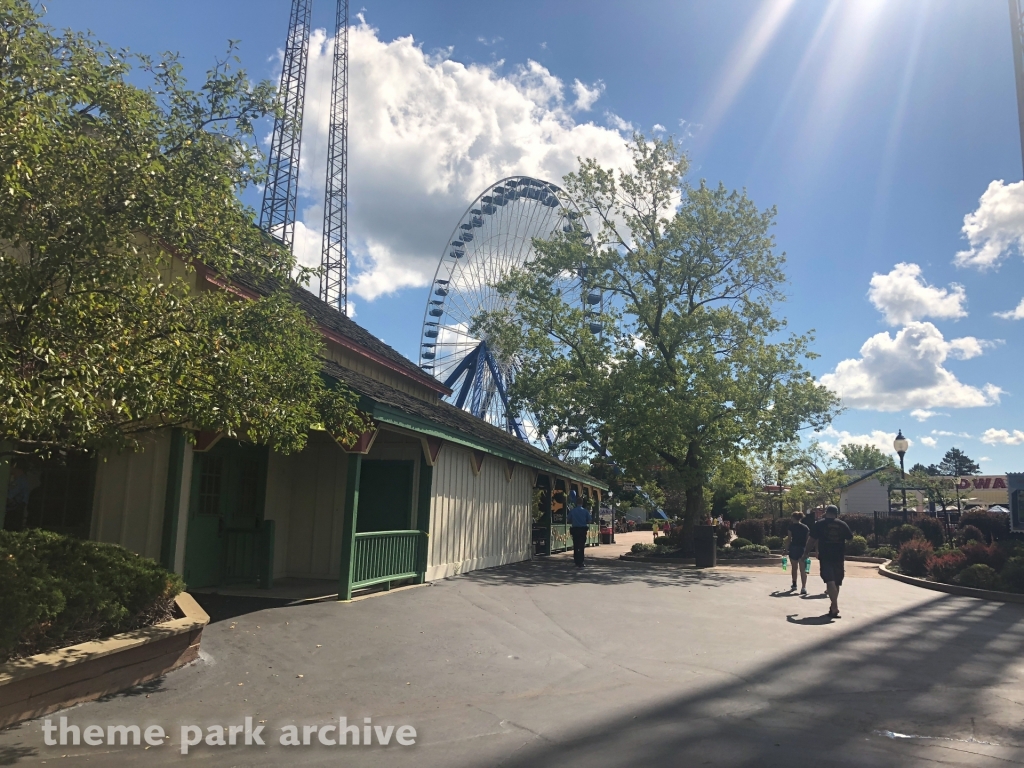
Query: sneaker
(793, 588)
(802, 591)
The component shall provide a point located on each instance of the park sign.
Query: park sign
(985, 489)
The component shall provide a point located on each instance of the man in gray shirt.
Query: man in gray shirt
(579, 522)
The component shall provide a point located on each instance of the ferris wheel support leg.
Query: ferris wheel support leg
(513, 422)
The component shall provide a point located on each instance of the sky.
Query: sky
(884, 132)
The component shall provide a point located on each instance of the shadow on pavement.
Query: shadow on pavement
(11, 755)
(883, 670)
(223, 607)
(810, 620)
(544, 572)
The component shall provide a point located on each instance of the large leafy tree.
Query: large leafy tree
(864, 457)
(112, 197)
(692, 365)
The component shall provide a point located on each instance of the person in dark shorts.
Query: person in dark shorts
(829, 536)
(798, 535)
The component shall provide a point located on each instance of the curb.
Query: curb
(952, 589)
(689, 561)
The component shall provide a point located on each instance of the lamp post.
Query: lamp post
(901, 444)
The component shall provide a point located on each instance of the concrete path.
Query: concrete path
(539, 665)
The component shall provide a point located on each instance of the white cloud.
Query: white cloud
(877, 438)
(923, 414)
(944, 433)
(426, 135)
(995, 227)
(1016, 313)
(1002, 437)
(659, 128)
(931, 442)
(586, 97)
(903, 296)
(906, 371)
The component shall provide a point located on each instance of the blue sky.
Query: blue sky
(874, 127)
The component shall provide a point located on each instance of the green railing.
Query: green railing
(593, 535)
(561, 539)
(385, 556)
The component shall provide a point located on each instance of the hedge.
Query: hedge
(58, 591)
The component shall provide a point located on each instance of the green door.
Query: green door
(225, 508)
(385, 496)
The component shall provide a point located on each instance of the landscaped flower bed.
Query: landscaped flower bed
(978, 557)
(57, 591)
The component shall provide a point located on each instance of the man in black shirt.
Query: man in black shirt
(798, 534)
(829, 536)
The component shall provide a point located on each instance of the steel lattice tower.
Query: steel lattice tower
(334, 255)
(1017, 33)
(277, 216)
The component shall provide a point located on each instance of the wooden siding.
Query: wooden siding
(864, 497)
(128, 498)
(306, 499)
(477, 520)
(355, 362)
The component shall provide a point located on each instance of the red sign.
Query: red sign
(982, 483)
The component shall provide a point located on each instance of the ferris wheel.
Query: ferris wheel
(494, 236)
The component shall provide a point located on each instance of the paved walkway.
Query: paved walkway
(539, 665)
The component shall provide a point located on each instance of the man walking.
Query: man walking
(798, 535)
(579, 525)
(829, 536)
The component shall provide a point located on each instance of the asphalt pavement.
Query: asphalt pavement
(620, 664)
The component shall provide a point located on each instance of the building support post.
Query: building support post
(423, 517)
(172, 498)
(348, 531)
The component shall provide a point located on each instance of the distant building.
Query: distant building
(863, 494)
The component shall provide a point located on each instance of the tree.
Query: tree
(693, 366)
(864, 457)
(956, 463)
(113, 197)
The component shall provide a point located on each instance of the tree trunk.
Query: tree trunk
(693, 482)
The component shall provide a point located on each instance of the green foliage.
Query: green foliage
(116, 201)
(693, 367)
(864, 457)
(1012, 574)
(904, 533)
(971, 533)
(643, 549)
(857, 546)
(913, 557)
(863, 525)
(991, 555)
(934, 531)
(887, 552)
(944, 567)
(978, 576)
(773, 542)
(759, 548)
(59, 591)
(750, 530)
(993, 525)
(740, 543)
(956, 463)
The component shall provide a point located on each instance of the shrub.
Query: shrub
(58, 591)
(978, 553)
(887, 552)
(739, 542)
(913, 557)
(900, 536)
(946, 566)
(773, 542)
(1013, 574)
(886, 524)
(995, 525)
(862, 525)
(978, 576)
(752, 530)
(971, 533)
(642, 549)
(858, 546)
(755, 548)
(933, 530)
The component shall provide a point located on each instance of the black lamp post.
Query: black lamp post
(901, 444)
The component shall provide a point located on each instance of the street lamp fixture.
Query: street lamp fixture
(901, 444)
